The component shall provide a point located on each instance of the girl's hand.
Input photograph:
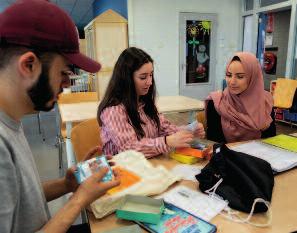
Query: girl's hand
(200, 132)
(179, 139)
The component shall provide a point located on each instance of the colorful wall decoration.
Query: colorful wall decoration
(197, 51)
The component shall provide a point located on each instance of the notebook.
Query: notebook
(177, 220)
(283, 141)
(279, 159)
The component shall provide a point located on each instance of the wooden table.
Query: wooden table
(79, 112)
(284, 208)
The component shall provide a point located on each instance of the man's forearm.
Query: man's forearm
(54, 189)
(65, 216)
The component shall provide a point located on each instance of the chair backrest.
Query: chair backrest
(201, 118)
(84, 137)
(284, 92)
(71, 98)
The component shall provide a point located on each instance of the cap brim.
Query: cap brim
(83, 62)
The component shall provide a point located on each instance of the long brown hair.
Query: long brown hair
(121, 89)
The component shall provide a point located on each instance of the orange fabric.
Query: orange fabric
(127, 179)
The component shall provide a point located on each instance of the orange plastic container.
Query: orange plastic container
(190, 152)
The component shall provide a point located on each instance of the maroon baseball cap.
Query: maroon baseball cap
(42, 25)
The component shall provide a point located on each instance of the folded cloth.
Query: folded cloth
(154, 180)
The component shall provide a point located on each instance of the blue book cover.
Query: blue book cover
(176, 220)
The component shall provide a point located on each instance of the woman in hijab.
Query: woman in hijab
(243, 111)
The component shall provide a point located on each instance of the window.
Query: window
(249, 5)
(270, 2)
(247, 33)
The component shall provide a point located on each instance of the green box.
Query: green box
(140, 208)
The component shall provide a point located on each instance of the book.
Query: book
(176, 220)
(86, 168)
(279, 159)
(283, 141)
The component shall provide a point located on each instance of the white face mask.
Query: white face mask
(234, 216)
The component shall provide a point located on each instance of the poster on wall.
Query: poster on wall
(197, 51)
(270, 62)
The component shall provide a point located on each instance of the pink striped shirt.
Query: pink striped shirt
(118, 135)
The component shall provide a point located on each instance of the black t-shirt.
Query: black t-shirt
(214, 131)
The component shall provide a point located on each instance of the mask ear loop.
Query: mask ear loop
(212, 190)
(234, 215)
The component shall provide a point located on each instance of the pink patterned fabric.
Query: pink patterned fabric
(118, 135)
(244, 116)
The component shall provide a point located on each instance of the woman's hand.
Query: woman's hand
(179, 139)
(199, 132)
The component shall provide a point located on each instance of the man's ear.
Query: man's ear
(29, 66)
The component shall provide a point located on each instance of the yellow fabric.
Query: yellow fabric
(284, 92)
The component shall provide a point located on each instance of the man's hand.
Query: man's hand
(92, 188)
(69, 179)
(97, 150)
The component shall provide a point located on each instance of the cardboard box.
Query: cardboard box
(141, 209)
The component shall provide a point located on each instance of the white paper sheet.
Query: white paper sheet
(187, 172)
(194, 202)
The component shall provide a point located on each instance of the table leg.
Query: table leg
(69, 149)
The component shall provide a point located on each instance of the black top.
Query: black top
(214, 131)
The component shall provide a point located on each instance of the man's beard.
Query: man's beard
(41, 92)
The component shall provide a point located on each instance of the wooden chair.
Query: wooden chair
(85, 136)
(76, 97)
(70, 98)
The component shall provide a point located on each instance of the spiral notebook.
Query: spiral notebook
(280, 159)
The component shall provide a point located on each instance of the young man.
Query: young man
(38, 42)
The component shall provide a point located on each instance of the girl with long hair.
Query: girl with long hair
(128, 116)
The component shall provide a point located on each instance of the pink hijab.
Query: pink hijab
(244, 116)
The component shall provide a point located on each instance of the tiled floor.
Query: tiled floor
(46, 153)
